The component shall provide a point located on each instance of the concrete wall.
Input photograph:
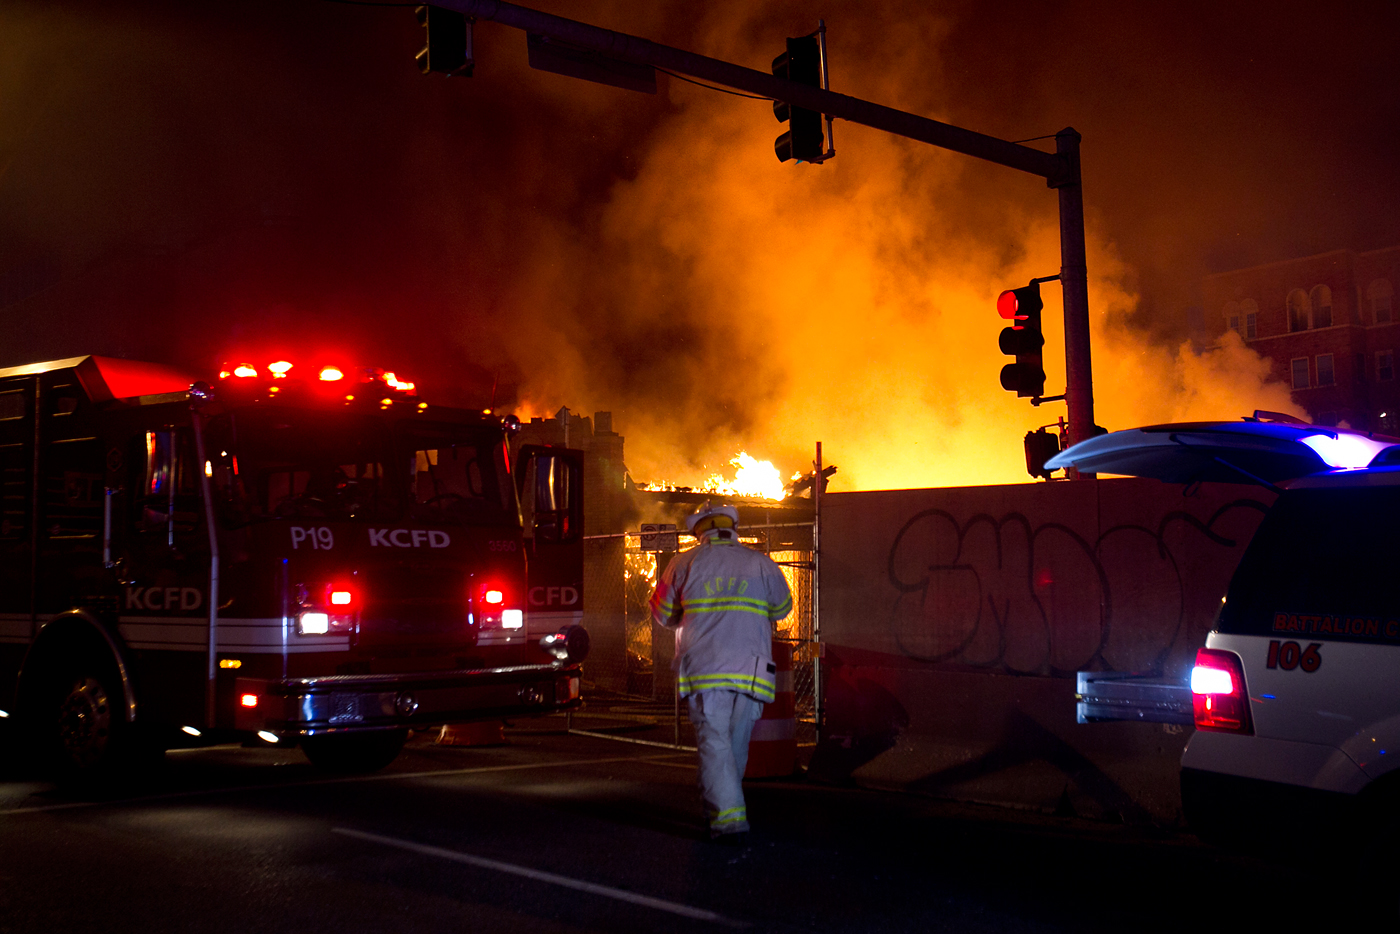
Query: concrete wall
(956, 618)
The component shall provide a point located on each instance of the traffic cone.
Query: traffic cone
(483, 733)
(773, 746)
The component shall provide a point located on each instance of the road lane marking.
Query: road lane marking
(481, 862)
(385, 777)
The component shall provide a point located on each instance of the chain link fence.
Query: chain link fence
(628, 678)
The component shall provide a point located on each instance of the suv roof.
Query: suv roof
(1234, 452)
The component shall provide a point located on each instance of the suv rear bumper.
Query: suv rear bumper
(1274, 761)
(345, 703)
(1235, 810)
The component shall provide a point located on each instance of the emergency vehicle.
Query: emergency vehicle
(1296, 694)
(306, 554)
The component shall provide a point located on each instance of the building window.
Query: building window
(1380, 295)
(1249, 314)
(1385, 365)
(1326, 376)
(1300, 372)
(1232, 316)
(1321, 306)
(1299, 316)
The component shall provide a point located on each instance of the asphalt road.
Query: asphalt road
(563, 833)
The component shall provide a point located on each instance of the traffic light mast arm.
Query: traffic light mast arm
(1060, 169)
(1050, 166)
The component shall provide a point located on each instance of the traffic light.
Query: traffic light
(1023, 340)
(448, 49)
(1041, 445)
(802, 62)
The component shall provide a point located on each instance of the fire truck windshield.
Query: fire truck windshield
(457, 474)
(276, 463)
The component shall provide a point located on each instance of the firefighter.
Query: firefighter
(722, 599)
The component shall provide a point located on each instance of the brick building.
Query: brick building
(1328, 325)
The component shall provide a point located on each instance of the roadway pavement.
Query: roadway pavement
(566, 833)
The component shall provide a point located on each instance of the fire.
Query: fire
(753, 479)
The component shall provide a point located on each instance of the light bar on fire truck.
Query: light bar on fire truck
(366, 384)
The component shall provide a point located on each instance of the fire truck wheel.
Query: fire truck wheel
(87, 738)
(354, 752)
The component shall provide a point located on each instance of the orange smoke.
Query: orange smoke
(852, 303)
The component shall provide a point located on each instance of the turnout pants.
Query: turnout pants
(723, 722)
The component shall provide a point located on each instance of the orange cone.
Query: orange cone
(773, 746)
(485, 733)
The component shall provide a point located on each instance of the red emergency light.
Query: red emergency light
(373, 380)
(339, 597)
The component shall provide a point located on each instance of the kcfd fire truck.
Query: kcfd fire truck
(308, 557)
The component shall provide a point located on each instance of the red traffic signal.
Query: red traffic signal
(1022, 340)
(1008, 305)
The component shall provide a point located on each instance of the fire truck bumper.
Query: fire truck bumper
(344, 703)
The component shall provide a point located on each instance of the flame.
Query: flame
(753, 479)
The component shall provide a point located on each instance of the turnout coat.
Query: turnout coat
(722, 600)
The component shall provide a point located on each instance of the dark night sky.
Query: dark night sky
(195, 181)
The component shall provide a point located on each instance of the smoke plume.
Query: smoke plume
(196, 182)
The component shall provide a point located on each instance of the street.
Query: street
(559, 832)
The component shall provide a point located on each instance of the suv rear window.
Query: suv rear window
(1323, 564)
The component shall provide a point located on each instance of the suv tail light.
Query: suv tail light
(1218, 697)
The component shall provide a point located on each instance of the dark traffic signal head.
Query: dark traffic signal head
(448, 49)
(802, 63)
(1023, 340)
(1041, 445)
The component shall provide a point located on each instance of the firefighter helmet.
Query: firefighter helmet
(709, 516)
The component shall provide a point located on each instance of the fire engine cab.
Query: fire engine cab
(307, 554)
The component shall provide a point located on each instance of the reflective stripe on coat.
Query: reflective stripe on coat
(722, 599)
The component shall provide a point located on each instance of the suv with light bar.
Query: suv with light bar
(1296, 694)
(325, 559)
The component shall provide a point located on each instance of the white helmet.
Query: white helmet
(708, 510)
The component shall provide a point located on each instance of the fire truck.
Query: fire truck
(306, 554)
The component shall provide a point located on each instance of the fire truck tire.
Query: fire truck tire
(354, 753)
(80, 726)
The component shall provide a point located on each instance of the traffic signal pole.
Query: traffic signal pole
(1060, 169)
(1074, 285)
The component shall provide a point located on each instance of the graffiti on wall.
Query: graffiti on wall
(1003, 594)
